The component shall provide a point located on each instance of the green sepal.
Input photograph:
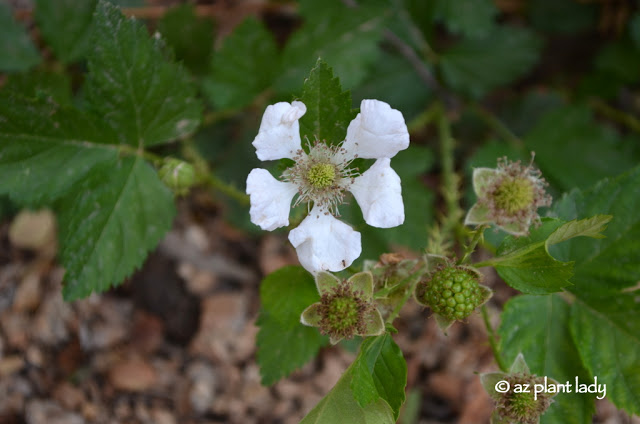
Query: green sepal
(326, 282)
(311, 316)
(363, 282)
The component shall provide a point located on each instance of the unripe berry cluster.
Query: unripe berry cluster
(451, 292)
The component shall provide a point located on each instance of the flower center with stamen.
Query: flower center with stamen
(322, 175)
(514, 195)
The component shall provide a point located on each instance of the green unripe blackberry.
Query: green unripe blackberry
(451, 292)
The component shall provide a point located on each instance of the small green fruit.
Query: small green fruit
(452, 292)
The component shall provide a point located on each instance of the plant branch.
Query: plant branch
(205, 176)
(414, 278)
(450, 180)
(492, 339)
(478, 234)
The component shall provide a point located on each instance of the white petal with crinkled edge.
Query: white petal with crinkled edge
(379, 194)
(279, 134)
(270, 199)
(378, 131)
(324, 243)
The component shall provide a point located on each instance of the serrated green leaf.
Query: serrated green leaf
(282, 349)
(602, 314)
(284, 344)
(244, 67)
(570, 135)
(38, 140)
(472, 18)
(589, 227)
(342, 36)
(525, 263)
(380, 363)
(339, 406)
(109, 223)
(65, 26)
(538, 326)
(17, 52)
(133, 86)
(610, 264)
(40, 84)
(612, 325)
(328, 107)
(363, 394)
(190, 36)
(476, 66)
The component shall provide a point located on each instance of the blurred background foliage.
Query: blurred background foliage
(556, 77)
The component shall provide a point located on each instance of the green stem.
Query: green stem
(493, 340)
(615, 114)
(224, 188)
(450, 180)
(414, 278)
(205, 176)
(478, 235)
(134, 151)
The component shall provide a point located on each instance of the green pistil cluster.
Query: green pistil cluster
(514, 194)
(343, 312)
(451, 292)
(523, 407)
(322, 175)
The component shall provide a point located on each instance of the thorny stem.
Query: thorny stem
(478, 234)
(414, 278)
(492, 339)
(450, 180)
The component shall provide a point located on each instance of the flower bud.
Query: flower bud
(178, 175)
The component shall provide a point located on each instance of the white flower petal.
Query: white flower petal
(270, 199)
(324, 243)
(377, 132)
(379, 194)
(279, 134)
